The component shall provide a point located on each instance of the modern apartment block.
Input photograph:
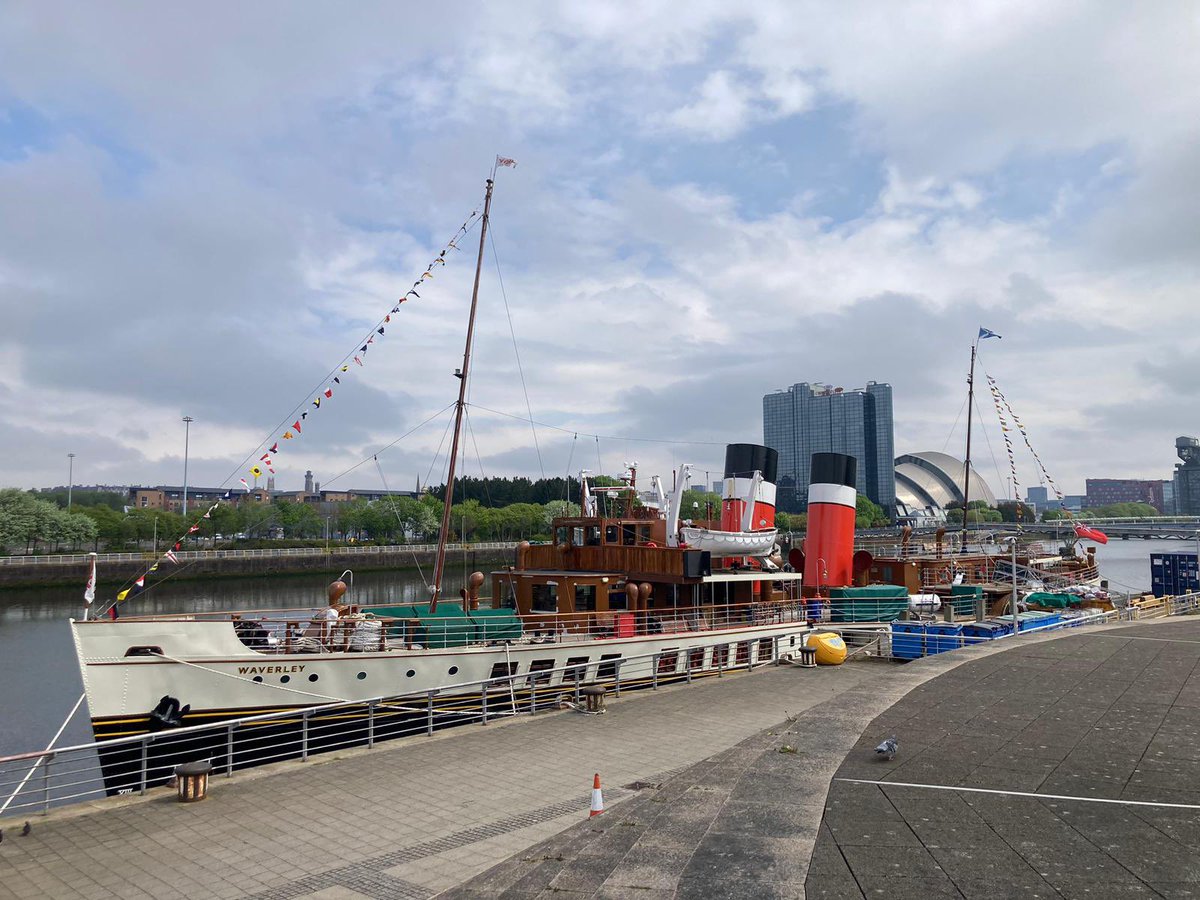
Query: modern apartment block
(810, 418)
(1103, 491)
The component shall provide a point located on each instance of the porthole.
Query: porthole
(362, 675)
(313, 677)
(411, 672)
(453, 670)
(284, 679)
(258, 679)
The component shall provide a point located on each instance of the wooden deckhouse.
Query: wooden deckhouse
(606, 566)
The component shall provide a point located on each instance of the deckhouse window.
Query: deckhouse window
(585, 598)
(593, 536)
(644, 533)
(544, 597)
(611, 535)
(618, 600)
(628, 535)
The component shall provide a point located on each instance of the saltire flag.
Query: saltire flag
(89, 592)
(296, 425)
(386, 318)
(357, 360)
(371, 339)
(266, 457)
(985, 333)
(328, 393)
(245, 484)
(170, 557)
(193, 529)
(505, 161)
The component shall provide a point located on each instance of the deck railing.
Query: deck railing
(35, 782)
(305, 631)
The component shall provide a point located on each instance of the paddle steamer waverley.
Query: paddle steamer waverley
(630, 590)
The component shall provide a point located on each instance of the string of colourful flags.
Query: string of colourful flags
(1002, 404)
(266, 462)
(169, 557)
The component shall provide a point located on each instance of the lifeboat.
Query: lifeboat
(729, 543)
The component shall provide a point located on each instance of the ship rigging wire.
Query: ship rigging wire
(516, 351)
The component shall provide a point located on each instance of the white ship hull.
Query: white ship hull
(205, 666)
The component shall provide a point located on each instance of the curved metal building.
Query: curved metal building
(931, 481)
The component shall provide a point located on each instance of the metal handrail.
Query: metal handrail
(190, 555)
(632, 671)
(279, 627)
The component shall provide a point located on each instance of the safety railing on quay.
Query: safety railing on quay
(64, 559)
(914, 639)
(36, 782)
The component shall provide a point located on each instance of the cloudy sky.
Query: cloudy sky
(204, 209)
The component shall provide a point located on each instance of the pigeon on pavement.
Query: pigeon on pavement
(888, 748)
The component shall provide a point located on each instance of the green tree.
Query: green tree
(868, 514)
(557, 509)
(1015, 511)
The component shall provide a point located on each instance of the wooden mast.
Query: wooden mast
(967, 462)
(462, 374)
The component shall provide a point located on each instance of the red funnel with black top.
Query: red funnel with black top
(829, 542)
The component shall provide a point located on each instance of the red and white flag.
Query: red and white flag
(171, 557)
(245, 484)
(505, 161)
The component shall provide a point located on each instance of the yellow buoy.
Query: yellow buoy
(831, 649)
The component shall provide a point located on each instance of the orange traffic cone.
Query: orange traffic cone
(597, 797)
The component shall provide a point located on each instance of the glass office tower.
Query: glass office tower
(811, 418)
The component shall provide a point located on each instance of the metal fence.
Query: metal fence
(35, 782)
(887, 642)
(70, 559)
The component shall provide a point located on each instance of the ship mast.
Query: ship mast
(967, 462)
(462, 375)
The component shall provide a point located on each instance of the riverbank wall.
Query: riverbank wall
(121, 568)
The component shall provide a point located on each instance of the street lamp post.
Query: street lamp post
(187, 427)
(70, 478)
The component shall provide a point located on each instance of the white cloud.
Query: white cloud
(226, 200)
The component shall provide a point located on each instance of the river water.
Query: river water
(39, 676)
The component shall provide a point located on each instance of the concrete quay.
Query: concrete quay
(1033, 767)
(409, 818)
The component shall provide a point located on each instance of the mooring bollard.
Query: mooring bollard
(192, 780)
(595, 697)
(808, 657)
